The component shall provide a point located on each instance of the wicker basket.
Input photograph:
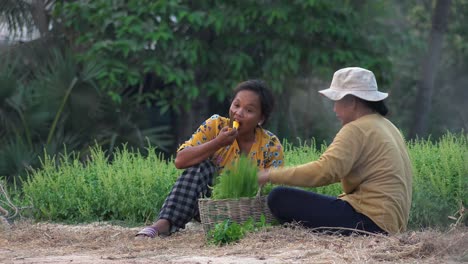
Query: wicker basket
(238, 210)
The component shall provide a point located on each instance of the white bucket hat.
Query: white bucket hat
(355, 81)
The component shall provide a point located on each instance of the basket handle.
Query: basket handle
(259, 191)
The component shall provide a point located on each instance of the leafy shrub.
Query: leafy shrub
(440, 179)
(131, 188)
(228, 232)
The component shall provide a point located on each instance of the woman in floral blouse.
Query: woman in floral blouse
(214, 146)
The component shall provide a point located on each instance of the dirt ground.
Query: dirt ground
(26, 242)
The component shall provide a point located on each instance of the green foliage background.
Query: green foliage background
(131, 72)
(116, 72)
(203, 47)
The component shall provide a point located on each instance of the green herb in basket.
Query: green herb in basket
(239, 180)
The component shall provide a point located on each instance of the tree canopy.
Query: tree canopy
(205, 47)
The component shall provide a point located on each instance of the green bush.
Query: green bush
(440, 179)
(228, 232)
(131, 188)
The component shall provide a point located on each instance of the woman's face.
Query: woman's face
(246, 109)
(344, 109)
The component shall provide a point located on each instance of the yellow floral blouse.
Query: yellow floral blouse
(266, 150)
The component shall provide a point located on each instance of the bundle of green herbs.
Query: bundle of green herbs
(237, 181)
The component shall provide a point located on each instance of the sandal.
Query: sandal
(151, 232)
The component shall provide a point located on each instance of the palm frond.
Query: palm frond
(159, 136)
(11, 100)
(16, 157)
(16, 15)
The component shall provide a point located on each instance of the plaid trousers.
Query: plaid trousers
(181, 205)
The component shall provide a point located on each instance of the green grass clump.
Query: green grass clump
(131, 188)
(237, 181)
(440, 180)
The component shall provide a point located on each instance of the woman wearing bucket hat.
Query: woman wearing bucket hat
(368, 156)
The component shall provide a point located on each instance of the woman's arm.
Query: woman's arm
(193, 155)
(334, 164)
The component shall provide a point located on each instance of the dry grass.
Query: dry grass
(27, 242)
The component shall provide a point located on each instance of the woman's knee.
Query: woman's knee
(203, 170)
(276, 196)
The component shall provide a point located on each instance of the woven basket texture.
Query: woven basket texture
(238, 210)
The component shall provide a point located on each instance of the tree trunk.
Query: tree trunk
(429, 69)
(188, 121)
(40, 16)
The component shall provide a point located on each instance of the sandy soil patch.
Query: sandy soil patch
(27, 242)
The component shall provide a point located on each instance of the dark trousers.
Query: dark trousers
(314, 210)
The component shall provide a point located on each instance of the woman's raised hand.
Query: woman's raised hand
(226, 136)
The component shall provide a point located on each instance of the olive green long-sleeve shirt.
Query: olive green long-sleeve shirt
(370, 158)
